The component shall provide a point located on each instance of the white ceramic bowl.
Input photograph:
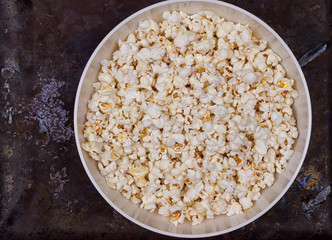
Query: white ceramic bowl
(220, 224)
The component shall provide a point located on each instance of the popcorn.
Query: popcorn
(204, 45)
(139, 172)
(261, 146)
(179, 138)
(154, 110)
(156, 52)
(234, 208)
(249, 76)
(148, 25)
(183, 39)
(191, 117)
(246, 203)
(268, 178)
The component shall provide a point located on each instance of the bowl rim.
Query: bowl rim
(205, 234)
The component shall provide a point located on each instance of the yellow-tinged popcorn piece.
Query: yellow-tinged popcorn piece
(139, 172)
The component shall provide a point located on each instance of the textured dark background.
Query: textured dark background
(45, 193)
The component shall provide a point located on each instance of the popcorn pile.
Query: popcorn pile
(192, 117)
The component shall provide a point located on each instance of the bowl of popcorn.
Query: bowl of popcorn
(192, 118)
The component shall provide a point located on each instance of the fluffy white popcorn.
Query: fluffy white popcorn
(246, 203)
(147, 25)
(191, 117)
(249, 76)
(234, 208)
(261, 146)
(179, 138)
(153, 110)
(276, 118)
(268, 178)
(155, 52)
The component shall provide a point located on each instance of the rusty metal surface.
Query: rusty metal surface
(45, 193)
